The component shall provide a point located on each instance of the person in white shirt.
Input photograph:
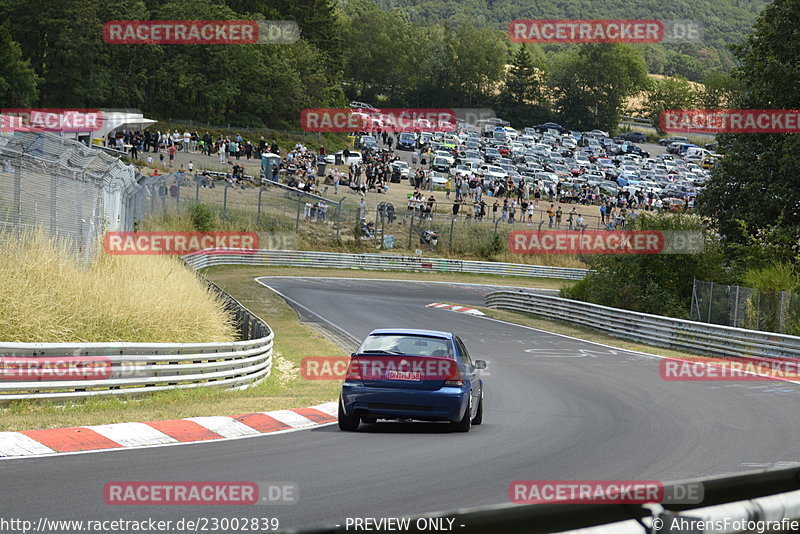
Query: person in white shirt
(187, 137)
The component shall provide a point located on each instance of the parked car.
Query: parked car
(440, 164)
(400, 374)
(401, 167)
(674, 139)
(406, 141)
(633, 137)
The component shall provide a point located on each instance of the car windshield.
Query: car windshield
(409, 345)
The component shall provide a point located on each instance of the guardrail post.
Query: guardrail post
(258, 217)
(225, 202)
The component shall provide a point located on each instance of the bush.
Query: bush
(203, 218)
(651, 283)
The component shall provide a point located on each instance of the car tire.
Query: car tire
(369, 420)
(466, 422)
(348, 423)
(478, 419)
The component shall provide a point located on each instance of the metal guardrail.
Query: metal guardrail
(377, 262)
(770, 495)
(652, 329)
(141, 368)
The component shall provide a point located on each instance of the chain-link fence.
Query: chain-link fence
(745, 307)
(64, 187)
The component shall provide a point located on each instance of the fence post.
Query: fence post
(410, 230)
(297, 220)
(736, 309)
(258, 216)
(781, 328)
(339, 218)
(225, 202)
(196, 189)
(375, 229)
(17, 207)
(53, 203)
(178, 196)
(450, 245)
(710, 301)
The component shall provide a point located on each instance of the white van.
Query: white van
(694, 151)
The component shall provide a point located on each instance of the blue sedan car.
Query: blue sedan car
(405, 374)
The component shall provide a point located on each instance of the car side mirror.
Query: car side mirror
(480, 364)
(352, 354)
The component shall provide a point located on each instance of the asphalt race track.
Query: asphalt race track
(556, 408)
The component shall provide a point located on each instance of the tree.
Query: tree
(720, 90)
(480, 56)
(755, 190)
(592, 83)
(669, 93)
(63, 42)
(524, 98)
(523, 81)
(18, 81)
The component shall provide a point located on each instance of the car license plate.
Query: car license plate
(414, 376)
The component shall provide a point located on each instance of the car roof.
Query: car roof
(413, 332)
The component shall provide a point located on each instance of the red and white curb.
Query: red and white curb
(455, 308)
(159, 433)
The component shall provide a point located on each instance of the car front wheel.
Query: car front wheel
(348, 423)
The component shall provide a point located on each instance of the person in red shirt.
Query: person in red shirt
(171, 154)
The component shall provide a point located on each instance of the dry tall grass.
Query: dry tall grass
(49, 295)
